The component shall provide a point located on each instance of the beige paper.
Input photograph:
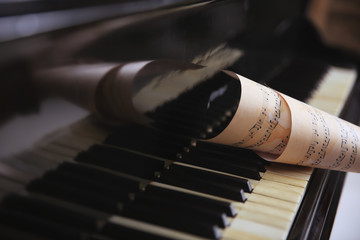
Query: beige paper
(285, 130)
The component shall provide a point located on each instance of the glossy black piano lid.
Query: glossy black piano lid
(182, 32)
(9, 8)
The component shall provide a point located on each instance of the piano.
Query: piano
(93, 181)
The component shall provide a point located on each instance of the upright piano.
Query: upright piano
(93, 181)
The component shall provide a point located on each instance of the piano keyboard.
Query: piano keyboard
(92, 182)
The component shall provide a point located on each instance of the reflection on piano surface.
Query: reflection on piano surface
(92, 181)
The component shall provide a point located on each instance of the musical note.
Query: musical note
(286, 130)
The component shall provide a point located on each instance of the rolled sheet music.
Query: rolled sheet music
(285, 130)
(278, 127)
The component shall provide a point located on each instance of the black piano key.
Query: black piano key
(177, 128)
(132, 133)
(143, 213)
(178, 208)
(98, 175)
(89, 184)
(52, 212)
(190, 114)
(239, 160)
(121, 161)
(190, 182)
(116, 165)
(230, 153)
(14, 233)
(200, 118)
(212, 177)
(218, 165)
(191, 199)
(75, 195)
(185, 122)
(150, 145)
(98, 237)
(39, 226)
(110, 152)
(122, 232)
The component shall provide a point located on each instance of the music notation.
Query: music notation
(305, 135)
(261, 122)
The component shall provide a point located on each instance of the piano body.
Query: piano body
(92, 181)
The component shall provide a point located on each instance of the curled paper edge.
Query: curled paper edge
(316, 138)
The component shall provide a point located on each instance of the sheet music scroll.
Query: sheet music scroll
(282, 129)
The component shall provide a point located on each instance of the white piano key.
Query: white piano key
(239, 226)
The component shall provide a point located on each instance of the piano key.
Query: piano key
(72, 194)
(272, 202)
(24, 166)
(275, 211)
(150, 215)
(263, 218)
(178, 208)
(14, 233)
(237, 234)
(176, 128)
(58, 211)
(211, 176)
(37, 225)
(48, 157)
(150, 145)
(7, 185)
(153, 229)
(241, 228)
(60, 150)
(339, 83)
(217, 165)
(9, 172)
(230, 153)
(75, 142)
(284, 179)
(91, 185)
(279, 191)
(118, 153)
(190, 182)
(196, 193)
(232, 160)
(52, 212)
(278, 209)
(122, 232)
(128, 132)
(102, 219)
(298, 172)
(191, 199)
(259, 208)
(97, 237)
(191, 124)
(98, 175)
(190, 114)
(90, 128)
(128, 163)
(153, 142)
(41, 162)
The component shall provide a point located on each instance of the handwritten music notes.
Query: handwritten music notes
(282, 129)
